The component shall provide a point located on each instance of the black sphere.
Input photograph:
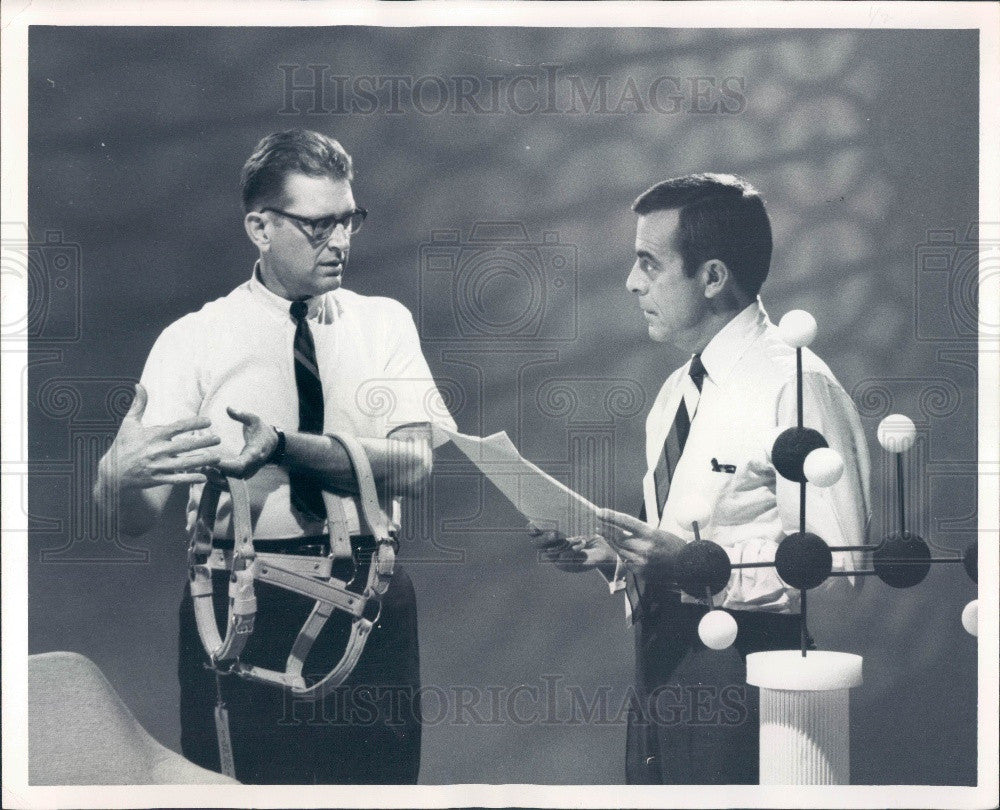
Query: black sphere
(970, 560)
(902, 560)
(702, 564)
(803, 560)
(791, 448)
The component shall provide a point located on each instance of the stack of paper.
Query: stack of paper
(538, 496)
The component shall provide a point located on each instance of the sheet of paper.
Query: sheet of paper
(543, 500)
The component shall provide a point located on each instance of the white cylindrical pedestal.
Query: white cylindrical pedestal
(804, 715)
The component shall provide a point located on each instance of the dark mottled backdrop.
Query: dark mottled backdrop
(865, 145)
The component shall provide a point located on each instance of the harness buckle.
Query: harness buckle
(366, 613)
(221, 667)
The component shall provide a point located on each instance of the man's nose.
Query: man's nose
(340, 239)
(636, 280)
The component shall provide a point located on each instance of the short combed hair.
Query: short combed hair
(282, 153)
(720, 217)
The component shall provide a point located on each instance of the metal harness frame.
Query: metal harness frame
(246, 565)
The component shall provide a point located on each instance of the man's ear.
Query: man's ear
(717, 278)
(254, 225)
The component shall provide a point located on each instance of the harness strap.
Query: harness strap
(242, 601)
(204, 527)
(326, 592)
(360, 630)
(379, 575)
(336, 525)
(222, 731)
(204, 614)
(306, 565)
(371, 511)
(306, 638)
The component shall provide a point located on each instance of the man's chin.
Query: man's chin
(331, 283)
(658, 335)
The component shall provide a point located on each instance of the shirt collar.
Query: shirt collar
(725, 349)
(322, 308)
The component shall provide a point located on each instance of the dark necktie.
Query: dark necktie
(673, 446)
(306, 495)
(677, 437)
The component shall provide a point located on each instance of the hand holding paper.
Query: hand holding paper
(573, 554)
(638, 544)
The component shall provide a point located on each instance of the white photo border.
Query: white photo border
(18, 16)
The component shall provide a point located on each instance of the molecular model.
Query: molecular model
(803, 560)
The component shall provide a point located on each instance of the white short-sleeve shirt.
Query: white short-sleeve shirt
(236, 352)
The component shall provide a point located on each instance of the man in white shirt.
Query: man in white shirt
(253, 384)
(703, 248)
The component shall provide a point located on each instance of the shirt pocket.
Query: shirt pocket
(746, 493)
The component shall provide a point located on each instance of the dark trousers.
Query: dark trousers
(365, 732)
(695, 720)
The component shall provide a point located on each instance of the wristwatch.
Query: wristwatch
(278, 454)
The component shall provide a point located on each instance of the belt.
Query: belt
(654, 601)
(317, 545)
(309, 555)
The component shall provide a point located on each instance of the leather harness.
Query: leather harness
(310, 576)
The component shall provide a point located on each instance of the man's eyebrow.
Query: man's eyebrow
(645, 254)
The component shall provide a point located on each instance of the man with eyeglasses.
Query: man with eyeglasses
(249, 385)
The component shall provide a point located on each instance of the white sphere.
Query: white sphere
(717, 629)
(823, 467)
(970, 618)
(896, 433)
(797, 328)
(771, 438)
(692, 508)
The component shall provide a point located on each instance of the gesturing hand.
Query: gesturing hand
(638, 544)
(259, 441)
(142, 457)
(573, 554)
